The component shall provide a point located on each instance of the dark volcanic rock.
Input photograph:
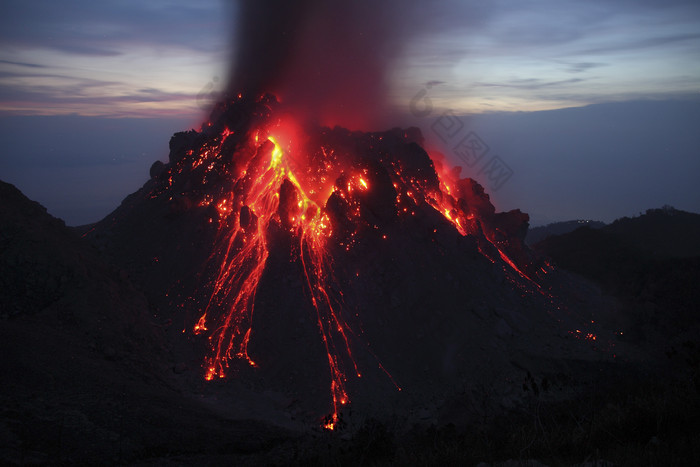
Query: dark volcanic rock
(436, 313)
(157, 169)
(83, 359)
(181, 143)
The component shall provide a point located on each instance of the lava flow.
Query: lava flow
(267, 190)
(256, 171)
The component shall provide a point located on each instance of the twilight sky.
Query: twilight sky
(548, 54)
(138, 67)
(118, 58)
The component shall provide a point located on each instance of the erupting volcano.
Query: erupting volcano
(295, 286)
(260, 189)
(291, 255)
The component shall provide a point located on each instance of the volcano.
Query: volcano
(333, 274)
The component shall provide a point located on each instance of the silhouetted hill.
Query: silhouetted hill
(593, 253)
(663, 233)
(651, 262)
(537, 234)
(659, 234)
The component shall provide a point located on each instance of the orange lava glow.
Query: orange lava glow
(273, 182)
(589, 336)
(242, 251)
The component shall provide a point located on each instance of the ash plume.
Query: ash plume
(329, 61)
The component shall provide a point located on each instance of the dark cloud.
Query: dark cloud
(586, 97)
(75, 94)
(333, 48)
(432, 83)
(580, 67)
(550, 24)
(645, 43)
(91, 28)
(684, 5)
(80, 49)
(62, 85)
(22, 64)
(152, 95)
(107, 30)
(436, 56)
(17, 74)
(530, 83)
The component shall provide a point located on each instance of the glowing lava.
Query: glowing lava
(264, 173)
(242, 250)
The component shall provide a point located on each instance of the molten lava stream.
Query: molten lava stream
(445, 204)
(317, 273)
(242, 263)
(312, 227)
(242, 254)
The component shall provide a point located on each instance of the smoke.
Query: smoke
(325, 60)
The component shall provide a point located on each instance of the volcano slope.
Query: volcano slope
(312, 276)
(85, 373)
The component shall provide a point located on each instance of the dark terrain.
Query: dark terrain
(100, 366)
(537, 234)
(83, 359)
(650, 262)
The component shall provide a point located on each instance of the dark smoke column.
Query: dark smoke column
(326, 60)
(265, 32)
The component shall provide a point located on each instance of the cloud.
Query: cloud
(49, 85)
(587, 97)
(174, 46)
(90, 28)
(81, 49)
(22, 64)
(45, 94)
(580, 67)
(641, 43)
(434, 82)
(61, 53)
(530, 83)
